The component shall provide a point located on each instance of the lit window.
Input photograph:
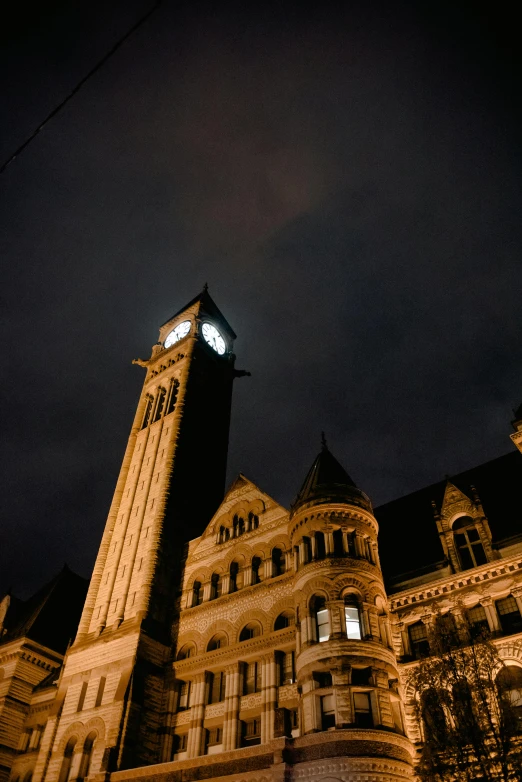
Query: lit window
(353, 623)
(322, 618)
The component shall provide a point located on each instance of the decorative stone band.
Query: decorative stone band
(340, 648)
(444, 587)
(353, 742)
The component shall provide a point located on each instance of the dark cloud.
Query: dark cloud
(348, 182)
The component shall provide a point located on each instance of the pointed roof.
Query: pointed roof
(207, 302)
(51, 615)
(327, 481)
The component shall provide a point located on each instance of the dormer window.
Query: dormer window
(468, 545)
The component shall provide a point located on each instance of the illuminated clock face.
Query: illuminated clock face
(213, 337)
(181, 330)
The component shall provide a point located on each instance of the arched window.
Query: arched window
(215, 586)
(197, 593)
(338, 547)
(173, 397)
(320, 548)
(307, 549)
(236, 579)
(478, 621)
(65, 770)
(148, 411)
(253, 521)
(285, 619)
(321, 615)
(87, 752)
(509, 615)
(256, 566)
(218, 641)
(234, 526)
(186, 651)
(221, 537)
(251, 630)
(160, 403)
(463, 706)
(352, 618)
(509, 682)
(240, 525)
(467, 543)
(278, 562)
(433, 716)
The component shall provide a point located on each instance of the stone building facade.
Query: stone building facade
(229, 638)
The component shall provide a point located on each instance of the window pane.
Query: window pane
(479, 554)
(465, 558)
(323, 625)
(353, 628)
(473, 534)
(507, 606)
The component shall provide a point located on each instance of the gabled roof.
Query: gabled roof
(328, 481)
(51, 615)
(210, 307)
(408, 536)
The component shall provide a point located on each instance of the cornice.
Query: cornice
(449, 585)
(235, 652)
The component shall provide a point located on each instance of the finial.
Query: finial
(324, 444)
(205, 288)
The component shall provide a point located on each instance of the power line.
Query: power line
(80, 84)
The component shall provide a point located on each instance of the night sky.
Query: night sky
(348, 182)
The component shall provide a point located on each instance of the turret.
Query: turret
(345, 664)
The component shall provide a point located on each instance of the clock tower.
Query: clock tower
(170, 483)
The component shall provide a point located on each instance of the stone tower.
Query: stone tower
(178, 442)
(345, 664)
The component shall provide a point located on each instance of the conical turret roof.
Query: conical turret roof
(328, 482)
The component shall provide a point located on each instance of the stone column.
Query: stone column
(491, 613)
(313, 545)
(328, 543)
(225, 583)
(206, 591)
(231, 716)
(247, 576)
(197, 715)
(336, 608)
(269, 694)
